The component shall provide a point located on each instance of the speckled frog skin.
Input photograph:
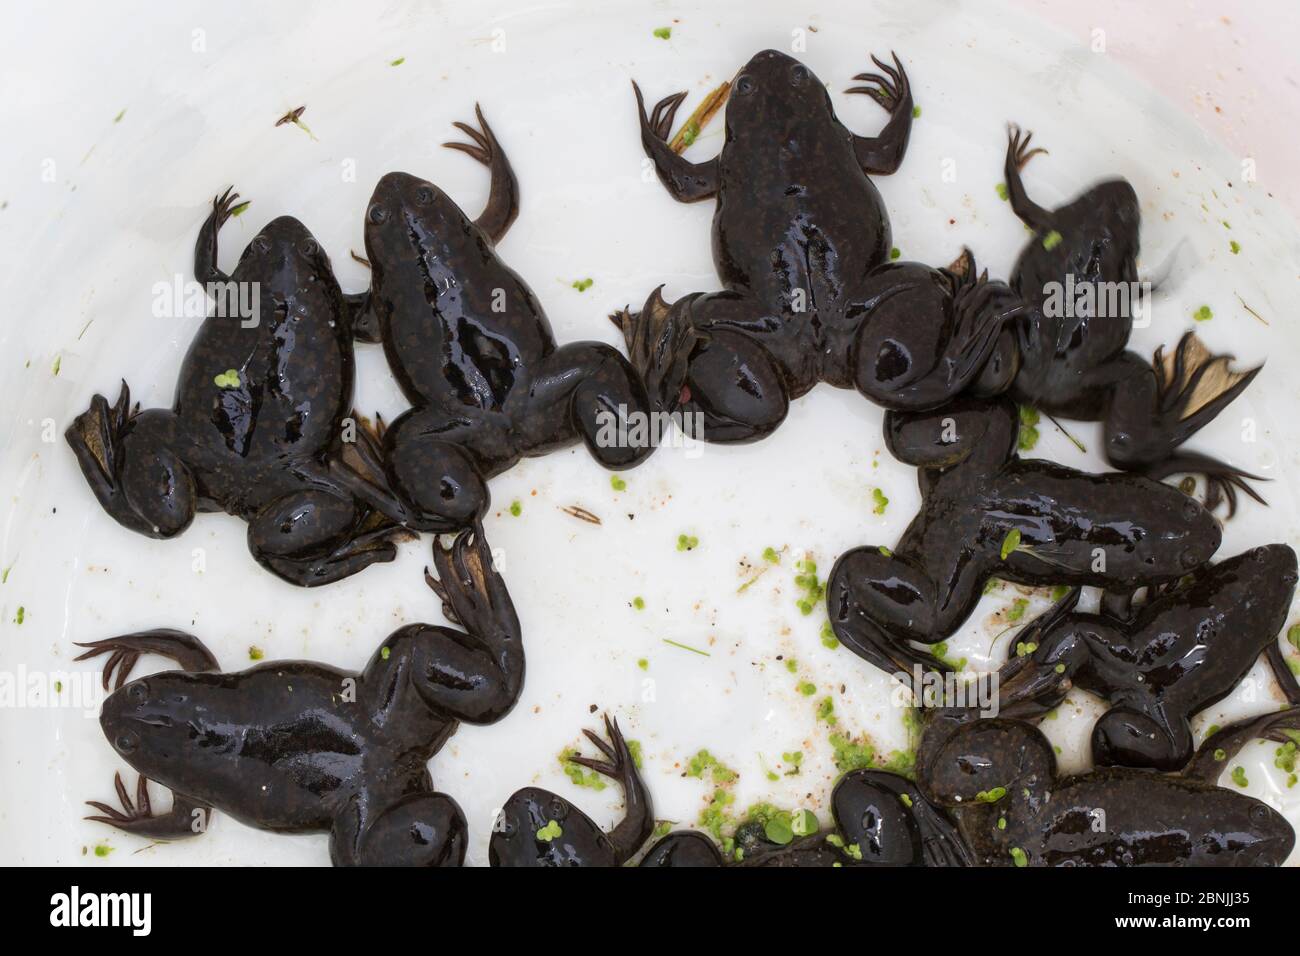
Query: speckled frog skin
(296, 746)
(801, 242)
(1117, 531)
(1074, 362)
(259, 410)
(473, 351)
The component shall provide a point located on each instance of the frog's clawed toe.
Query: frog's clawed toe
(484, 147)
(223, 206)
(660, 121)
(890, 90)
(1018, 151)
(132, 813)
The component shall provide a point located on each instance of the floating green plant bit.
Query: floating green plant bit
(940, 653)
(1001, 189)
(851, 755)
(1010, 543)
(1018, 856)
(687, 647)
(807, 581)
(103, 849)
(803, 823)
(1292, 632)
(1235, 246)
(550, 832)
(638, 602)
(916, 112)
(663, 33)
(617, 483)
(1029, 419)
(643, 664)
(1203, 314)
(516, 508)
(227, 379)
(1060, 591)
(239, 209)
(1220, 754)
(577, 774)
(771, 556)
(634, 748)
(1025, 648)
(794, 759)
(582, 285)
(398, 62)
(881, 502)
(895, 252)
(885, 552)
(58, 363)
(807, 688)
(687, 542)
(1239, 777)
(1052, 240)
(779, 829)
(21, 615)
(829, 640)
(385, 653)
(791, 665)
(255, 653)
(1017, 609)
(991, 796)
(907, 800)
(704, 762)
(826, 711)
(118, 117)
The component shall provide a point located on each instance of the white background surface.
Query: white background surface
(83, 251)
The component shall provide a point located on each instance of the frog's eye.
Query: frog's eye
(559, 809)
(798, 74)
(377, 213)
(424, 195)
(1259, 814)
(309, 247)
(744, 84)
(127, 742)
(261, 244)
(138, 691)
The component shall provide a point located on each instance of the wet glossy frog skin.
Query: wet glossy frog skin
(1078, 366)
(881, 819)
(1180, 652)
(801, 242)
(537, 828)
(297, 746)
(1107, 817)
(473, 352)
(997, 777)
(257, 413)
(1117, 531)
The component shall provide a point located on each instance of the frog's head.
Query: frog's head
(537, 828)
(774, 85)
(156, 724)
(1255, 833)
(411, 219)
(1256, 585)
(284, 251)
(1182, 536)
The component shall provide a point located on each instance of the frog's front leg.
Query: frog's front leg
(503, 196)
(317, 536)
(703, 357)
(186, 818)
(685, 181)
(420, 829)
(1018, 154)
(473, 675)
(1152, 410)
(883, 154)
(205, 249)
(129, 459)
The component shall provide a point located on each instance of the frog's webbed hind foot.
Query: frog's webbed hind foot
(186, 818)
(883, 154)
(1193, 385)
(1018, 155)
(120, 450)
(473, 594)
(1223, 745)
(185, 649)
(503, 196)
(660, 340)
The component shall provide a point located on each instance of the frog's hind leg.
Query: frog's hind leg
(419, 472)
(683, 849)
(1220, 747)
(425, 828)
(128, 458)
(186, 818)
(1018, 155)
(318, 536)
(883, 154)
(1151, 413)
(702, 359)
(638, 812)
(503, 196)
